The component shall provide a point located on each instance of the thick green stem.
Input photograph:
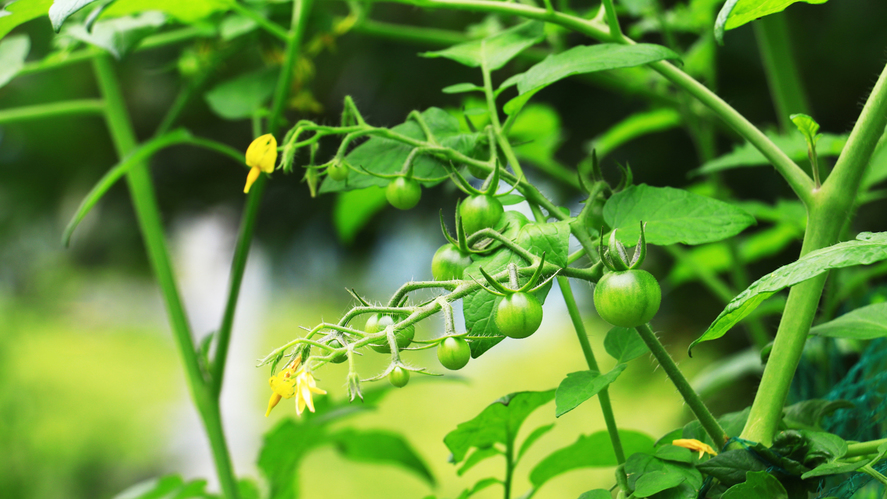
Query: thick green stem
(691, 398)
(786, 88)
(509, 466)
(603, 395)
(148, 215)
(56, 109)
(864, 448)
(301, 10)
(826, 216)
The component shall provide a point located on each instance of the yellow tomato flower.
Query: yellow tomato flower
(305, 386)
(283, 384)
(694, 445)
(261, 156)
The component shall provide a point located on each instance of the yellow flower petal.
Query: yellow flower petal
(262, 153)
(251, 178)
(694, 445)
(275, 398)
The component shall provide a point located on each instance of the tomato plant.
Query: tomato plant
(629, 298)
(481, 211)
(518, 315)
(453, 353)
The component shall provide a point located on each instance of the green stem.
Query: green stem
(264, 23)
(148, 215)
(786, 87)
(691, 398)
(864, 448)
(56, 109)
(825, 219)
(497, 125)
(301, 10)
(612, 20)
(603, 395)
(509, 466)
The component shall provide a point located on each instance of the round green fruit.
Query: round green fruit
(453, 353)
(399, 377)
(629, 298)
(518, 315)
(449, 263)
(378, 323)
(480, 212)
(337, 171)
(403, 193)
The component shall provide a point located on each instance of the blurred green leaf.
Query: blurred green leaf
(499, 423)
(21, 11)
(624, 344)
(186, 12)
(461, 88)
(532, 438)
(497, 49)
(757, 484)
(386, 156)
(596, 494)
(808, 414)
(793, 145)
(241, 97)
(62, 9)
(865, 323)
(580, 386)
(379, 446)
(235, 25)
(121, 35)
(539, 128)
(656, 481)
(353, 209)
(282, 452)
(634, 126)
(735, 13)
(168, 487)
(13, 52)
(672, 216)
(478, 456)
(591, 451)
(480, 485)
(867, 248)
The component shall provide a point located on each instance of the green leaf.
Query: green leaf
(592, 451)
(186, 12)
(793, 145)
(808, 414)
(596, 494)
(381, 447)
(480, 485)
(674, 453)
(808, 127)
(636, 125)
(282, 452)
(497, 49)
(538, 128)
(241, 97)
(866, 323)
(730, 467)
(532, 438)
(828, 443)
(461, 88)
(585, 59)
(354, 209)
(867, 248)
(19, 12)
(580, 386)
(168, 487)
(479, 307)
(837, 468)
(386, 156)
(672, 216)
(657, 481)
(62, 9)
(642, 463)
(498, 423)
(624, 344)
(13, 52)
(735, 13)
(235, 25)
(119, 36)
(757, 484)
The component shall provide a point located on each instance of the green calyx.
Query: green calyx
(616, 258)
(499, 290)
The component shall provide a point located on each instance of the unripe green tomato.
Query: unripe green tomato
(518, 315)
(453, 353)
(399, 377)
(629, 298)
(337, 171)
(339, 358)
(378, 323)
(480, 212)
(449, 263)
(403, 193)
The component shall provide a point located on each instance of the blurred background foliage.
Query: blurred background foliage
(92, 398)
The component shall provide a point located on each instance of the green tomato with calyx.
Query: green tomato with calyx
(378, 322)
(403, 193)
(453, 353)
(518, 315)
(628, 298)
(449, 263)
(481, 211)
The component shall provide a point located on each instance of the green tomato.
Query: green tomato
(453, 353)
(518, 315)
(629, 298)
(339, 358)
(399, 377)
(337, 171)
(480, 212)
(378, 323)
(449, 263)
(403, 193)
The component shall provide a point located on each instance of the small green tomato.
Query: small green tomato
(377, 323)
(399, 377)
(449, 263)
(629, 298)
(453, 353)
(518, 315)
(403, 193)
(480, 212)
